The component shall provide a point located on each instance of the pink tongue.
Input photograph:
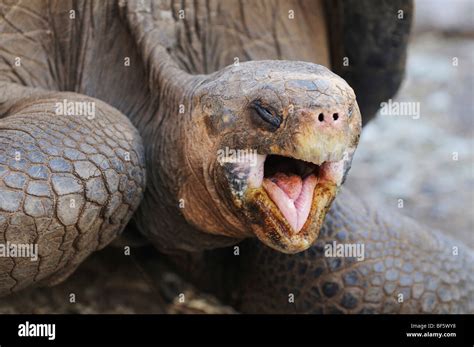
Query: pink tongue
(291, 185)
(292, 195)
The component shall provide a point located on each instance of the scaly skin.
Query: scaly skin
(170, 54)
(433, 272)
(54, 59)
(67, 184)
(217, 114)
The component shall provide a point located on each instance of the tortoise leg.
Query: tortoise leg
(71, 175)
(405, 269)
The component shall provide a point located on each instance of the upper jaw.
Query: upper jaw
(334, 167)
(283, 209)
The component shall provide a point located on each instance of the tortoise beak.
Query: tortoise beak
(290, 204)
(284, 199)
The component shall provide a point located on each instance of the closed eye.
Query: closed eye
(349, 111)
(266, 114)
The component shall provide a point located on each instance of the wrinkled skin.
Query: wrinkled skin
(152, 109)
(72, 191)
(406, 269)
(190, 172)
(177, 60)
(223, 117)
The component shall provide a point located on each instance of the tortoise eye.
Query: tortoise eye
(349, 111)
(266, 114)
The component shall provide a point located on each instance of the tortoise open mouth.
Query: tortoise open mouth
(290, 185)
(288, 199)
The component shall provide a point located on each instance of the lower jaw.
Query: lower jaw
(271, 227)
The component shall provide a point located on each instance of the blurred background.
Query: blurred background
(412, 159)
(398, 158)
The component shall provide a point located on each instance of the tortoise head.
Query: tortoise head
(274, 143)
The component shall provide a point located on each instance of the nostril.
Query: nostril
(335, 116)
(321, 117)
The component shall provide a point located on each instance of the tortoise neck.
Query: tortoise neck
(170, 86)
(150, 34)
(168, 81)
